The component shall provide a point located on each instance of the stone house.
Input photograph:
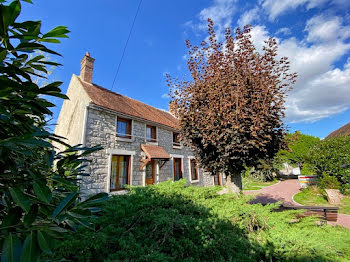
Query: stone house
(140, 142)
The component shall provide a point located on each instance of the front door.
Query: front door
(177, 169)
(150, 170)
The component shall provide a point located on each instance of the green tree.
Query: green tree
(331, 156)
(298, 148)
(231, 110)
(38, 186)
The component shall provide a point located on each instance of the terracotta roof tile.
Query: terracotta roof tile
(155, 152)
(343, 131)
(128, 106)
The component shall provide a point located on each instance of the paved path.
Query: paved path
(284, 191)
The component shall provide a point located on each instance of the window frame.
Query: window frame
(181, 168)
(196, 168)
(117, 177)
(128, 122)
(178, 144)
(153, 132)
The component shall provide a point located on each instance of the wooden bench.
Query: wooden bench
(325, 213)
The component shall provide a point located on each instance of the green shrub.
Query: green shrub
(327, 181)
(298, 149)
(332, 157)
(345, 189)
(38, 186)
(307, 170)
(172, 222)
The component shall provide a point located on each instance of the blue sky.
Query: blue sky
(314, 34)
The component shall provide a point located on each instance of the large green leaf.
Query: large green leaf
(30, 250)
(20, 198)
(93, 200)
(45, 242)
(11, 249)
(10, 13)
(42, 191)
(65, 203)
(59, 31)
(31, 216)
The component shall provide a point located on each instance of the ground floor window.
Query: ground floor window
(177, 169)
(194, 169)
(120, 172)
(217, 179)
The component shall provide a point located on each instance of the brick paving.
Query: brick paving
(284, 192)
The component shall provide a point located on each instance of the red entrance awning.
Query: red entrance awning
(153, 152)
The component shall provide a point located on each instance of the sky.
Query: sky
(313, 34)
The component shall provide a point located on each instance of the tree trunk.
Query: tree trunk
(233, 184)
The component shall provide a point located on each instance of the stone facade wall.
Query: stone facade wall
(101, 130)
(70, 122)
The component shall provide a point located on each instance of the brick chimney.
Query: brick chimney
(87, 67)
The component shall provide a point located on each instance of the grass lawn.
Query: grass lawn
(256, 185)
(313, 196)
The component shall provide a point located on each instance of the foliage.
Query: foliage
(231, 110)
(331, 156)
(298, 149)
(307, 169)
(38, 187)
(172, 222)
(327, 181)
(264, 170)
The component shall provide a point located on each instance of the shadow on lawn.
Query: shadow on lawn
(148, 225)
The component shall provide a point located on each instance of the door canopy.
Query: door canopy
(154, 152)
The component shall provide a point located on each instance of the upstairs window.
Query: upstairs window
(151, 133)
(124, 127)
(176, 139)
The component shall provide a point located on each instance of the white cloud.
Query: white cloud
(259, 35)
(326, 29)
(165, 96)
(249, 17)
(276, 8)
(284, 31)
(325, 95)
(221, 12)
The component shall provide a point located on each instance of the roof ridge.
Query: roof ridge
(112, 92)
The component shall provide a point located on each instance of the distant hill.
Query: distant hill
(343, 131)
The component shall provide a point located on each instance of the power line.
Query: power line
(126, 43)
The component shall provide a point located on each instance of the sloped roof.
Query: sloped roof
(155, 152)
(343, 131)
(128, 106)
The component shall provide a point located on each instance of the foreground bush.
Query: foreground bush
(38, 186)
(172, 222)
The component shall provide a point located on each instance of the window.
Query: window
(120, 172)
(177, 169)
(194, 169)
(151, 133)
(176, 139)
(124, 127)
(217, 179)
